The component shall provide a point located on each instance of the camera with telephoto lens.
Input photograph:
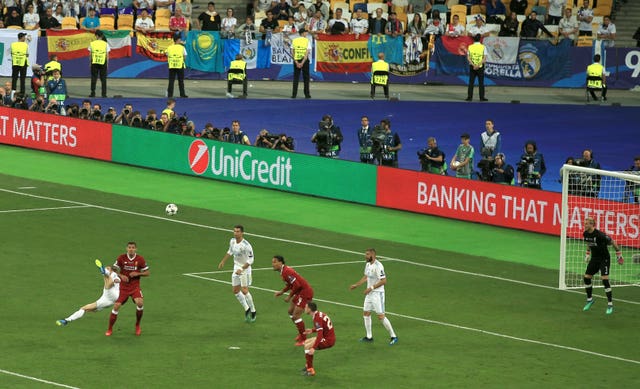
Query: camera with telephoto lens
(137, 122)
(486, 169)
(324, 138)
(378, 138)
(528, 176)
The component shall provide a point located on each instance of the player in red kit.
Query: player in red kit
(326, 338)
(131, 267)
(300, 294)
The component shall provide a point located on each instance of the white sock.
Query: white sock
(76, 315)
(367, 326)
(243, 301)
(387, 324)
(249, 299)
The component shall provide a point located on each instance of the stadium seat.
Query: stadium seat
(441, 8)
(69, 23)
(107, 23)
(362, 5)
(478, 9)
(125, 22)
(371, 7)
(460, 10)
(163, 13)
(162, 24)
(339, 4)
(541, 12)
(584, 41)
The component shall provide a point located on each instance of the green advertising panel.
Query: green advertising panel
(293, 172)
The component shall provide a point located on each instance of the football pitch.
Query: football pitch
(463, 317)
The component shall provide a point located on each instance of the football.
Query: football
(455, 164)
(171, 209)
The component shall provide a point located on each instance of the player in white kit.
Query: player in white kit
(110, 294)
(242, 253)
(375, 278)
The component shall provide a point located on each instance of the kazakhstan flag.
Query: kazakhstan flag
(205, 51)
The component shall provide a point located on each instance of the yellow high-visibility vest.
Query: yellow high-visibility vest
(595, 70)
(237, 64)
(19, 51)
(98, 52)
(300, 45)
(476, 53)
(175, 56)
(379, 79)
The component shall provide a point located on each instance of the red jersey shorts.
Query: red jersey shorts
(301, 299)
(135, 293)
(326, 343)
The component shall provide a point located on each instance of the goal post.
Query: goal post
(612, 199)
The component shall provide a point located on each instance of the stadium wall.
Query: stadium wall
(623, 65)
(469, 200)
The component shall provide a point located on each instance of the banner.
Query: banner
(248, 165)
(69, 44)
(390, 46)
(501, 50)
(281, 49)
(500, 205)
(154, 44)
(7, 37)
(249, 52)
(119, 42)
(205, 51)
(55, 133)
(342, 54)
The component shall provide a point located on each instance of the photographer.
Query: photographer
(589, 183)
(96, 114)
(432, 159)
(151, 118)
(632, 189)
(54, 108)
(531, 167)
(236, 135)
(187, 128)
(328, 138)
(110, 116)
(284, 143)
(20, 101)
(501, 173)
(38, 104)
(265, 140)
(138, 122)
(126, 116)
(386, 144)
(37, 82)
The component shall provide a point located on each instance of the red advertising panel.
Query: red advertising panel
(55, 133)
(502, 205)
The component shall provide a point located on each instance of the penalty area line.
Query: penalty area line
(450, 325)
(7, 372)
(43, 209)
(270, 268)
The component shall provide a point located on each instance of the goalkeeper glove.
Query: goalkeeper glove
(587, 256)
(619, 257)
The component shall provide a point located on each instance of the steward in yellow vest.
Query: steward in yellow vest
(176, 54)
(300, 49)
(476, 56)
(19, 62)
(99, 55)
(596, 78)
(380, 76)
(237, 75)
(52, 65)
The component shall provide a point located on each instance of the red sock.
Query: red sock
(112, 320)
(138, 316)
(300, 326)
(309, 361)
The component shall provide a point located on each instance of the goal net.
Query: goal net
(612, 200)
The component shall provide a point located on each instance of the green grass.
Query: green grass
(462, 320)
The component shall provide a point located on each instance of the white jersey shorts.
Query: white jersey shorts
(108, 298)
(374, 301)
(242, 280)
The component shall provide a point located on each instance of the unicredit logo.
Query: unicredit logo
(198, 156)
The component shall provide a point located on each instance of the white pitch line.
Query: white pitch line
(42, 209)
(445, 324)
(26, 187)
(270, 268)
(174, 220)
(37, 379)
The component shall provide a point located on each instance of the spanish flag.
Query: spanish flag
(342, 54)
(69, 44)
(154, 44)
